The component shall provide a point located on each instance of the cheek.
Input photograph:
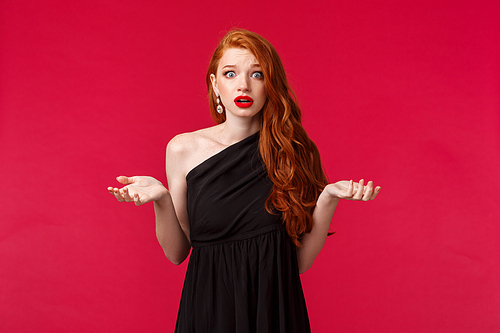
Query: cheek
(223, 88)
(224, 95)
(262, 92)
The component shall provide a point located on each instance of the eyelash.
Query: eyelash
(260, 73)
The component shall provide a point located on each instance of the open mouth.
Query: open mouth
(243, 101)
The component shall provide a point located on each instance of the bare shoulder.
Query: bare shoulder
(187, 143)
(180, 145)
(190, 149)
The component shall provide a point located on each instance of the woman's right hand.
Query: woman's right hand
(138, 189)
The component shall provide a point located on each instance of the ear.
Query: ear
(213, 79)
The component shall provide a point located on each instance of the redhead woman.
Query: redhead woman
(248, 198)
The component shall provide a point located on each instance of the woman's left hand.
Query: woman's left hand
(352, 191)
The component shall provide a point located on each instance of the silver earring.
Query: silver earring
(219, 107)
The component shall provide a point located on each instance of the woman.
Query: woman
(248, 196)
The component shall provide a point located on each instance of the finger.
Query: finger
(368, 191)
(126, 195)
(376, 192)
(118, 195)
(359, 193)
(112, 191)
(137, 200)
(350, 189)
(125, 180)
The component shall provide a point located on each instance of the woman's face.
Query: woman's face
(240, 83)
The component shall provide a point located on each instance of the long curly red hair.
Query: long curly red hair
(291, 157)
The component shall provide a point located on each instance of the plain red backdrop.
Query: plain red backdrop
(404, 93)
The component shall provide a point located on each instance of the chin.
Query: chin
(245, 113)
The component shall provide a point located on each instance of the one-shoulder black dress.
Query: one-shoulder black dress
(242, 275)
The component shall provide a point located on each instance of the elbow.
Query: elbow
(302, 270)
(178, 256)
(176, 252)
(304, 266)
(176, 259)
(176, 262)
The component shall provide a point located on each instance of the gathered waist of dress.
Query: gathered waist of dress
(241, 236)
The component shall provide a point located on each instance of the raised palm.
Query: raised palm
(353, 191)
(139, 189)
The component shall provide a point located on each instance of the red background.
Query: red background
(404, 93)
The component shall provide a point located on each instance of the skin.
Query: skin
(238, 74)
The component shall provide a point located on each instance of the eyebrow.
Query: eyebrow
(232, 66)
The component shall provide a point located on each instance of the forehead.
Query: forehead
(238, 57)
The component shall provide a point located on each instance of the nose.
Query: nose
(244, 84)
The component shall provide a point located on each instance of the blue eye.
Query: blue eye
(258, 75)
(229, 74)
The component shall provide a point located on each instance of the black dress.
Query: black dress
(242, 275)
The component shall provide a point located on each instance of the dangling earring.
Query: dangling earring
(219, 107)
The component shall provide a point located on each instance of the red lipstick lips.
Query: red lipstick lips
(243, 101)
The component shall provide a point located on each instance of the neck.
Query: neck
(236, 129)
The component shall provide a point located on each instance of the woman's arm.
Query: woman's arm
(169, 232)
(177, 245)
(313, 242)
(172, 226)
